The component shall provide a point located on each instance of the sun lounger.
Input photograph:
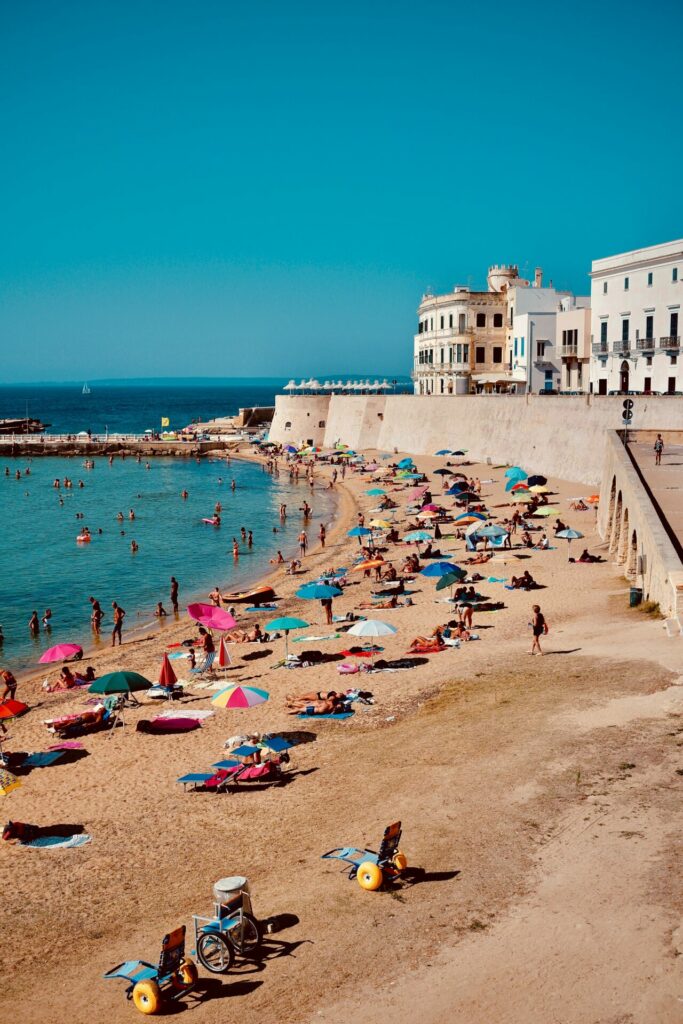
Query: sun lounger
(206, 665)
(340, 717)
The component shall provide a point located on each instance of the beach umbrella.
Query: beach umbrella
(8, 782)
(427, 515)
(451, 578)
(539, 489)
(405, 463)
(380, 524)
(470, 515)
(411, 476)
(120, 682)
(490, 530)
(443, 451)
(569, 535)
(318, 591)
(417, 492)
(533, 480)
(12, 709)
(439, 569)
(521, 486)
(372, 564)
(515, 473)
(459, 486)
(375, 492)
(442, 472)
(211, 617)
(372, 627)
(290, 448)
(285, 623)
(418, 536)
(460, 451)
(593, 500)
(430, 508)
(224, 660)
(523, 497)
(167, 676)
(546, 511)
(239, 697)
(60, 652)
(359, 531)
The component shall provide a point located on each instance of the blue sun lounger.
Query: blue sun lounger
(372, 869)
(148, 985)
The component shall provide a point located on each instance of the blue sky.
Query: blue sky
(238, 188)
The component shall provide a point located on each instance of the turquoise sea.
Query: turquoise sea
(43, 566)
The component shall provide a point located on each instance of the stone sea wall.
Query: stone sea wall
(557, 435)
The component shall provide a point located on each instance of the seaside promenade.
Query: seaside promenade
(539, 796)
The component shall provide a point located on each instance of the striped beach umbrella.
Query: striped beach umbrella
(239, 697)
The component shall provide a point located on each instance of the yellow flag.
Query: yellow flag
(165, 421)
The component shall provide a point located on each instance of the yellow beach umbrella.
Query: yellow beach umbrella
(538, 489)
(546, 510)
(523, 497)
(380, 524)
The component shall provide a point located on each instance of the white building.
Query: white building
(635, 321)
(574, 343)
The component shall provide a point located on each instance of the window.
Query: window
(673, 360)
(288, 425)
(604, 287)
(458, 353)
(431, 355)
(420, 327)
(480, 354)
(648, 360)
(521, 346)
(624, 329)
(481, 319)
(512, 315)
(647, 384)
(674, 273)
(431, 323)
(603, 332)
(649, 279)
(462, 323)
(442, 354)
(441, 385)
(602, 386)
(673, 325)
(497, 354)
(649, 327)
(442, 322)
(540, 349)
(625, 284)
(450, 320)
(321, 423)
(466, 353)
(515, 348)
(497, 319)
(671, 386)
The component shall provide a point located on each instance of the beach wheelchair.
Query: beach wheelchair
(232, 928)
(372, 870)
(150, 986)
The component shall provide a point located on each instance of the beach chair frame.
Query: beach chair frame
(373, 869)
(174, 976)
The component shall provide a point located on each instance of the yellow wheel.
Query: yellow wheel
(186, 975)
(147, 997)
(400, 861)
(369, 876)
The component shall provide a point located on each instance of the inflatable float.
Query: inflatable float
(83, 538)
(211, 522)
(258, 596)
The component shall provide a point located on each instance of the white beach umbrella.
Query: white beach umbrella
(372, 627)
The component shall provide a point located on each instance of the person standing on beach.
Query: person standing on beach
(215, 597)
(539, 627)
(119, 614)
(96, 615)
(34, 624)
(174, 594)
(322, 534)
(659, 448)
(326, 603)
(303, 543)
(10, 684)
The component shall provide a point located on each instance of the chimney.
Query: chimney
(538, 278)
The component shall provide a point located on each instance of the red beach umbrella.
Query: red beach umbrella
(167, 676)
(12, 708)
(223, 655)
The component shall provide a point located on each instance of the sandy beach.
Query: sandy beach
(540, 796)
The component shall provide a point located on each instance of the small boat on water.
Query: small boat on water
(258, 596)
(86, 389)
(23, 426)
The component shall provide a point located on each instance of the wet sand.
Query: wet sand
(543, 809)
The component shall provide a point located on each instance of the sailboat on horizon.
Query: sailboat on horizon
(86, 389)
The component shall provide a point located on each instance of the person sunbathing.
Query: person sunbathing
(527, 542)
(85, 677)
(314, 704)
(65, 682)
(389, 574)
(391, 603)
(523, 582)
(586, 557)
(579, 505)
(246, 636)
(434, 639)
(480, 558)
(455, 631)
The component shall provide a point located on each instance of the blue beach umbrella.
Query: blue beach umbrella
(405, 463)
(443, 451)
(375, 492)
(439, 569)
(318, 591)
(470, 515)
(491, 530)
(285, 623)
(515, 473)
(569, 535)
(418, 537)
(359, 531)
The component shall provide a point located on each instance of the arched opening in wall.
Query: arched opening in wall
(288, 425)
(622, 550)
(632, 557)
(616, 526)
(321, 423)
(612, 499)
(624, 375)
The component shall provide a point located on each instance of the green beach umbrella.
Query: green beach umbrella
(120, 682)
(286, 623)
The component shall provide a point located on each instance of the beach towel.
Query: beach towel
(199, 714)
(496, 579)
(42, 759)
(58, 842)
(162, 726)
(67, 745)
(262, 608)
(327, 636)
(338, 717)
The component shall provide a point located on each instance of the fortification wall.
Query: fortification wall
(560, 435)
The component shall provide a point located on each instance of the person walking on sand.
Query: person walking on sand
(659, 448)
(174, 595)
(322, 533)
(303, 543)
(119, 614)
(539, 627)
(215, 597)
(326, 603)
(10, 684)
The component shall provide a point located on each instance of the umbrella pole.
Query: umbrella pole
(286, 643)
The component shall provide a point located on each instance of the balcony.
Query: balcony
(622, 346)
(670, 344)
(600, 348)
(569, 352)
(645, 344)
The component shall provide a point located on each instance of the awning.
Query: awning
(493, 378)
